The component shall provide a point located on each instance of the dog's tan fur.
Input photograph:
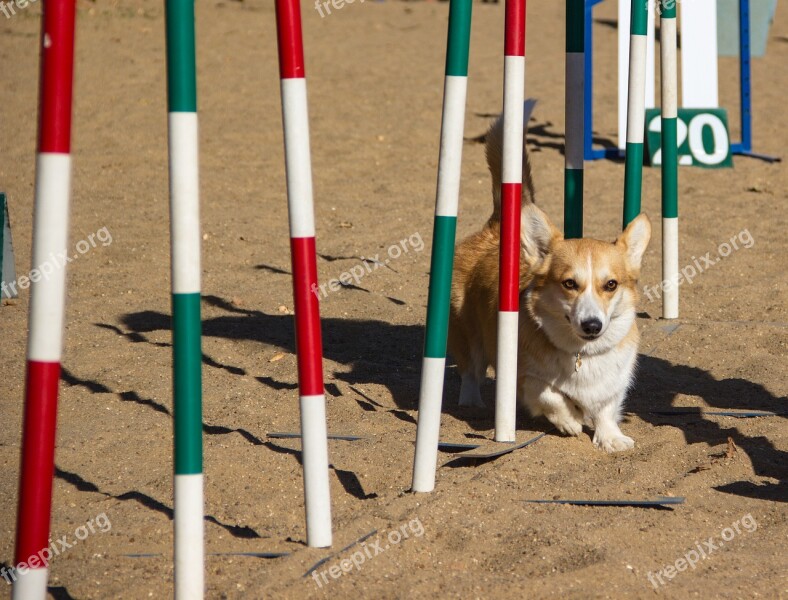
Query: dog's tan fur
(554, 320)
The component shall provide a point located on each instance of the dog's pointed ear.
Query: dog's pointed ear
(634, 240)
(537, 234)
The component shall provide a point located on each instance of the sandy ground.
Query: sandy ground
(375, 85)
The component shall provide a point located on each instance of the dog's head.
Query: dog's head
(583, 291)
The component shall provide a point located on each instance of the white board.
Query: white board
(698, 22)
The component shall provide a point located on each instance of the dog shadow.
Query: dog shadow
(659, 382)
(377, 353)
(545, 136)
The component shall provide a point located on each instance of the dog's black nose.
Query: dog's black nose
(591, 326)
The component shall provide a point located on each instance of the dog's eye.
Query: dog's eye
(611, 285)
(569, 284)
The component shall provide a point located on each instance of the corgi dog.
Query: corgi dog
(578, 339)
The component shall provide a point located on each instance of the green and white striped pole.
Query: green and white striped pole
(636, 109)
(574, 121)
(186, 325)
(670, 161)
(444, 229)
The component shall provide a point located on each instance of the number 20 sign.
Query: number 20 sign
(702, 137)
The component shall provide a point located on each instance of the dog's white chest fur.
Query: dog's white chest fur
(596, 379)
(591, 392)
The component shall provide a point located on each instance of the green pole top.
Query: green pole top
(575, 26)
(639, 17)
(459, 38)
(181, 67)
(667, 9)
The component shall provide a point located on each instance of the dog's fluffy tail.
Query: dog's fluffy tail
(494, 152)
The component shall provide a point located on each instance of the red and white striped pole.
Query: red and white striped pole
(47, 300)
(309, 345)
(511, 192)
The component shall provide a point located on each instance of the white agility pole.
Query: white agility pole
(670, 164)
(624, 26)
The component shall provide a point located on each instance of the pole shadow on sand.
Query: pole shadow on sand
(379, 353)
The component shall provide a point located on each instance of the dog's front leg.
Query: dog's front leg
(542, 399)
(470, 391)
(607, 434)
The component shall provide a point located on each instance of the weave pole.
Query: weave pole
(47, 299)
(7, 263)
(670, 160)
(745, 78)
(636, 109)
(511, 192)
(443, 236)
(186, 324)
(309, 346)
(575, 118)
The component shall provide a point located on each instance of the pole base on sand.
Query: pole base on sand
(31, 586)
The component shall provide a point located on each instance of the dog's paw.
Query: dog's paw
(567, 423)
(471, 396)
(471, 401)
(614, 443)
